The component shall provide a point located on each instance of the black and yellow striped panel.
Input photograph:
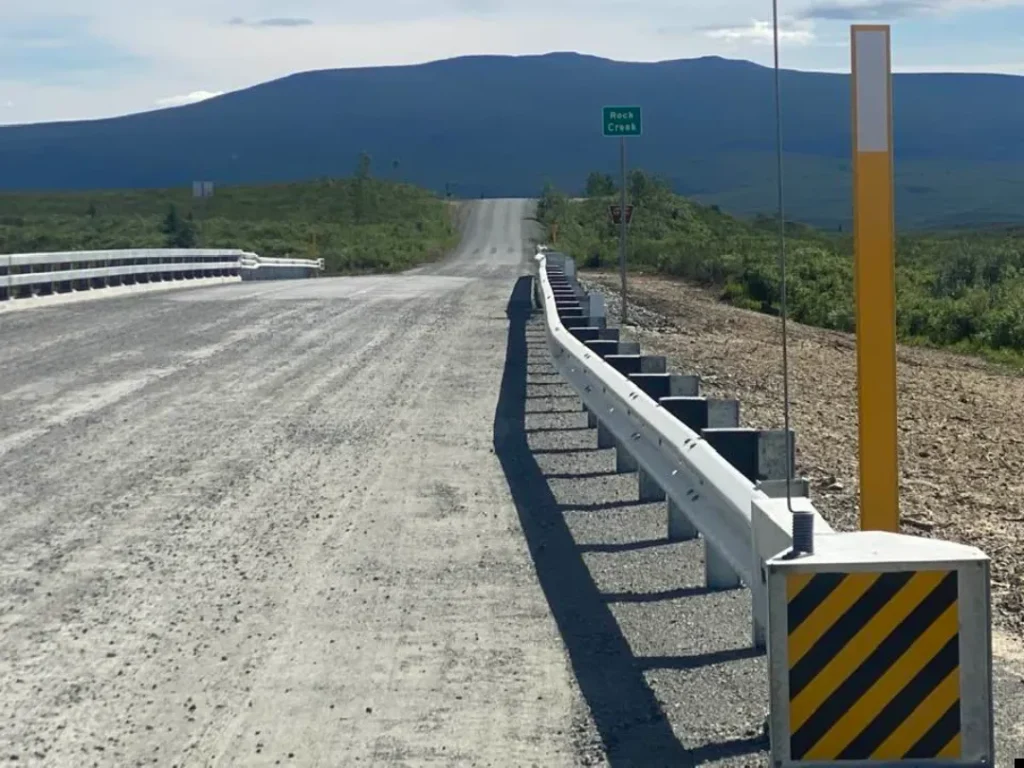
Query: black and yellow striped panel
(874, 666)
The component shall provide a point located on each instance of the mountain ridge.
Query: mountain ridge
(497, 125)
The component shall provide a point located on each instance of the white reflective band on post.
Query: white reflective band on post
(871, 75)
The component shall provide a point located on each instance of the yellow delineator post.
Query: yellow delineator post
(874, 276)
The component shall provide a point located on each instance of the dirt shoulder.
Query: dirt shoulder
(961, 427)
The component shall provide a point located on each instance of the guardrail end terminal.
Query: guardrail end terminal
(947, 706)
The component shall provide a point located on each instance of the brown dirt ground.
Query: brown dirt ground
(961, 420)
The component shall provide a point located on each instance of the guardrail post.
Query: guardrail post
(759, 454)
(624, 461)
(659, 385)
(603, 347)
(697, 413)
(648, 489)
(605, 439)
(679, 526)
(628, 363)
(571, 323)
(718, 574)
(700, 413)
(597, 309)
(5, 282)
(656, 386)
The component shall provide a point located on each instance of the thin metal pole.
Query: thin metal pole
(622, 225)
(803, 522)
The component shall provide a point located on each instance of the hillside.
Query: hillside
(953, 290)
(960, 444)
(356, 225)
(501, 126)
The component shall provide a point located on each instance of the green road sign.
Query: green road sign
(622, 121)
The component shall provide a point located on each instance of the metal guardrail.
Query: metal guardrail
(879, 644)
(28, 274)
(742, 526)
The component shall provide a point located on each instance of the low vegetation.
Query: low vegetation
(358, 224)
(962, 289)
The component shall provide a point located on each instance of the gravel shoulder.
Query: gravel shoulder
(664, 665)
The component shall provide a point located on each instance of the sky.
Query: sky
(69, 60)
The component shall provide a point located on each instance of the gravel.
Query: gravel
(263, 524)
(663, 664)
(961, 451)
(356, 520)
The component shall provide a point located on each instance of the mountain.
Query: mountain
(502, 126)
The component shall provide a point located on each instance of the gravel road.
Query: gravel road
(353, 521)
(263, 524)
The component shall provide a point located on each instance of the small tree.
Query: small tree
(181, 233)
(600, 184)
(363, 166)
(359, 188)
(171, 221)
(639, 186)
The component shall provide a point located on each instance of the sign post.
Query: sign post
(622, 122)
(874, 276)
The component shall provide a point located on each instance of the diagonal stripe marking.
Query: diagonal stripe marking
(954, 749)
(860, 715)
(795, 584)
(807, 599)
(861, 645)
(925, 716)
(828, 612)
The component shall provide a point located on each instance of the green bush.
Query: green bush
(355, 225)
(964, 289)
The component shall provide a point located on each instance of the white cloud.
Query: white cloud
(188, 98)
(870, 10)
(179, 45)
(760, 32)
